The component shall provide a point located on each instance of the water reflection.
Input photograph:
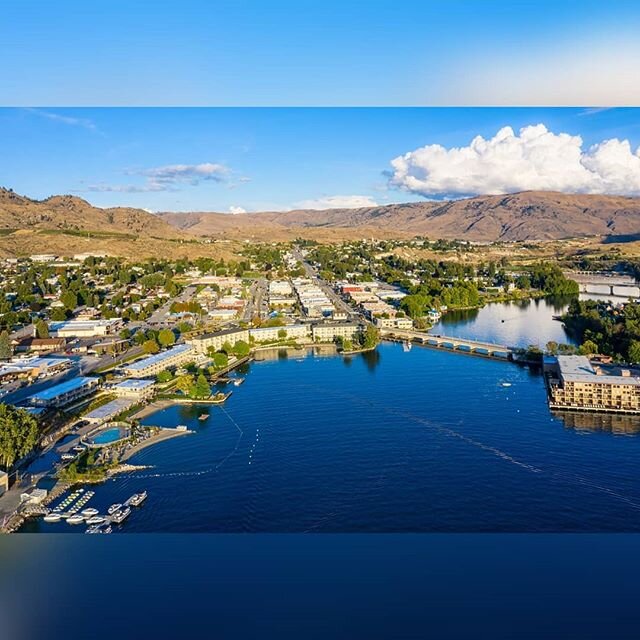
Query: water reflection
(516, 324)
(606, 422)
(371, 359)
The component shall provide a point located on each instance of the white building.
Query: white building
(269, 334)
(84, 328)
(153, 365)
(328, 331)
(137, 389)
(216, 340)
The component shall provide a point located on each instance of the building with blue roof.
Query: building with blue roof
(64, 393)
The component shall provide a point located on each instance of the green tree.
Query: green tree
(164, 376)
(18, 434)
(588, 347)
(5, 346)
(370, 337)
(58, 315)
(220, 360)
(69, 299)
(552, 348)
(42, 329)
(282, 334)
(634, 351)
(166, 337)
(150, 346)
(201, 389)
(185, 383)
(241, 349)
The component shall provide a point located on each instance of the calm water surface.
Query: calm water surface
(424, 440)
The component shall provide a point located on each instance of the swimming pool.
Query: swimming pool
(107, 436)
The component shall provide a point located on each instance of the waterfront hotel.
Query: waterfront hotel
(574, 383)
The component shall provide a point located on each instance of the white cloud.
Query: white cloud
(168, 178)
(236, 210)
(337, 202)
(533, 159)
(85, 123)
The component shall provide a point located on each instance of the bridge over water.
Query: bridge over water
(462, 345)
(605, 283)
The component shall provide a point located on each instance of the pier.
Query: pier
(460, 345)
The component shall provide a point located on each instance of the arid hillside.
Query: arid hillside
(526, 216)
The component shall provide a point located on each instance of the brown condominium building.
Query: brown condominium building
(574, 383)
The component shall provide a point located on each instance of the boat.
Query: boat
(67, 456)
(506, 384)
(52, 517)
(136, 499)
(90, 512)
(113, 508)
(95, 520)
(406, 346)
(203, 416)
(76, 518)
(238, 381)
(121, 515)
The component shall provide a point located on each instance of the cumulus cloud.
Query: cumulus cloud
(337, 202)
(533, 159)
(236, 210)
(168, 178)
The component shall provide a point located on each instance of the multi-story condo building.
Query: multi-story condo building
(64, 393)
(204, 342)
(574, 383)
(328, 331)
(153, 365)
(293, 331)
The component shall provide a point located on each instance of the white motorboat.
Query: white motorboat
(52, 517)
(113, 508)
(75, 519)
(121, 515)
(94, 520)
(90, 512)
(136, 499)
(506, 384)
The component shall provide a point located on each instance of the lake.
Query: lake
(425, 440)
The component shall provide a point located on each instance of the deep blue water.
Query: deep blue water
(424, 440)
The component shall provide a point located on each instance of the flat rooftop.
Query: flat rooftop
(112, 408)
(159, 357)
(579, 369)
(62, 388)
(134, 384)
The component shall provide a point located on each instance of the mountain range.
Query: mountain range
(69, 221)
(525, 216)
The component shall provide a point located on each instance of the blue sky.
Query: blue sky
(307, 52)
(277, 158)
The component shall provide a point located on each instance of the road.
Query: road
(257, 304)
(161, 314)
(329, 291)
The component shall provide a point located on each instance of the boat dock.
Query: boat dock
(458, 345)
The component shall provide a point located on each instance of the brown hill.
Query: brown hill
(72, 214)
(525, 216)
